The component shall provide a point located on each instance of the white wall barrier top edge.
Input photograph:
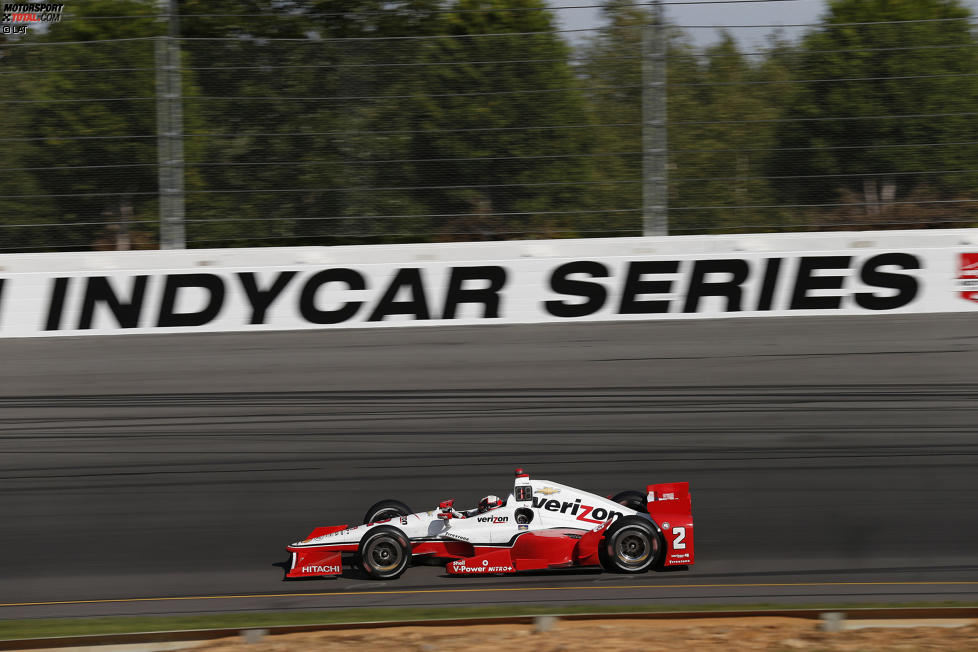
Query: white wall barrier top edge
(78, 261)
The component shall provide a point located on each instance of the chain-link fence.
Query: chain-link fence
(429, 121)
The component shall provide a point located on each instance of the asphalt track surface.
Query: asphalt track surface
(830, 459)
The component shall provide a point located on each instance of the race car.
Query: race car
(541, 525)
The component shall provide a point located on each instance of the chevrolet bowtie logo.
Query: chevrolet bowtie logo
(546, 491)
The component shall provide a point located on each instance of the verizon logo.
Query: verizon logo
(584, 513)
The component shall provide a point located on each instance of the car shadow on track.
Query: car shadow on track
(352, 572)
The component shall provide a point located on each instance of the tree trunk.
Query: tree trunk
(888, 190)
(871, 196)
(122, 240)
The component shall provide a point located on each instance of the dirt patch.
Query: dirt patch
(726, 634)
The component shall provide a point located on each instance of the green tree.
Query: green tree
(302, 122)
(883, 90)
(20, 203)
(243, 153)
(423, 127)
(432, 124)
(84, 114)
(613, 58)
(720, 110)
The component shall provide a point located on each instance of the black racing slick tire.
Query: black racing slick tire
(631, 545)
(386, 509)
(384, 553)
(632, 499)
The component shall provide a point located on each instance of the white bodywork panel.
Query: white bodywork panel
(551, 505)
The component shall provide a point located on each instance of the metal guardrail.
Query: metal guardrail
(877, 613)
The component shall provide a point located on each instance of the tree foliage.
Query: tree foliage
(903, 93)
(334, 121)
(76, 125)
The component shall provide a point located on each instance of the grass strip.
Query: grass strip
(56, 627)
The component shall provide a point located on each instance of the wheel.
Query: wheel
(386, 509)
(384, 553)
(631, 545)
(632, 499)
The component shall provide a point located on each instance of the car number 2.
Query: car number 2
(680, 536)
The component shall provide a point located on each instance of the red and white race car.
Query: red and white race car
(541, 525)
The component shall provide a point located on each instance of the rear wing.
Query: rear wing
(671, 506)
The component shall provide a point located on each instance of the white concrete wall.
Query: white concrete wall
(542, 281)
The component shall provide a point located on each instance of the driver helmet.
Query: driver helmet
(489, 502)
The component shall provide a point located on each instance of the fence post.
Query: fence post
(655, 153)
(169, 130)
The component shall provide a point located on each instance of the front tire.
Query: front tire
(384, 553)
(631, 545)
(386, 509)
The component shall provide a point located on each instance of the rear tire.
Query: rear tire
(384, 553)
(631, 545)
(632, 499)
(386, 509)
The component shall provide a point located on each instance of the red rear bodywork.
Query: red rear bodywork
(671, 506)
